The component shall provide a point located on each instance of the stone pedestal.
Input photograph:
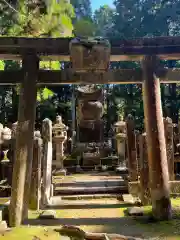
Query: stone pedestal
(59, 152)
(120, 129)
(121, 147)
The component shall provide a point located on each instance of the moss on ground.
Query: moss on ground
(103, 219)
(31, 233)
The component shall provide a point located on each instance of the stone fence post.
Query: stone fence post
(131, 149)
(47, 160)
(13, 140)
(35, 193)
(144, 171)
(168, 130)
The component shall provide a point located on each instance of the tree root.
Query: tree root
(74, 232)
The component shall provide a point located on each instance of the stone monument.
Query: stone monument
(89, 114)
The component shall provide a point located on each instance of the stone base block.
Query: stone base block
(135, 190)
(3, 226)
(52, 190)
(4, 213)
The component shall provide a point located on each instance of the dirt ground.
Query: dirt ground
(96, 216)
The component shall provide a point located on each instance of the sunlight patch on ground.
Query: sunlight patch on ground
(108, 219)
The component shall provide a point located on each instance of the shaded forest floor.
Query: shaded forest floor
(97, 216)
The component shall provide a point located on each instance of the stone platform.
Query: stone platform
(90, 183)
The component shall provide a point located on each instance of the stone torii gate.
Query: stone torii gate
(146, 50)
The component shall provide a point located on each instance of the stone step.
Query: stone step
(92, 196)
(89, 184)
(72, 169)
(92, 190)
(85, 203)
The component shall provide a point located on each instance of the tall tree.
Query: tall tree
(82, 8)
(103, 18)
(55, 22)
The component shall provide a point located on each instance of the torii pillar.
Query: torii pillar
(157, 157)
(24, 141)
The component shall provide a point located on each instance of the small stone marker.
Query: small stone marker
(3, 226)
(135, 211)
(61, 172)
(121, 169)
(128, 198)
(79, 169)
(47, 214)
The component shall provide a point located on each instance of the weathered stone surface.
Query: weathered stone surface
(120, 129)
(122, 169)
(35, 194)
(79, 169)
(134, 188)
(135, 211)
(144, 171)
(131, 148)
(61, 172)
(174, 187)
(128, 198)
(59, 137)
(3, 226)
(47, 160)
(4, 209)
(169, 135)
(104, 168)
(48, 214)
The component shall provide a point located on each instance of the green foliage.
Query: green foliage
(84, 27)
(44, 94)
(53, 65)
(35, 19)
(2, 65)
(55, 22)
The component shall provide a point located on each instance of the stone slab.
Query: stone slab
(47, 214)
(135, 211)
(91, 190)
(128, 198)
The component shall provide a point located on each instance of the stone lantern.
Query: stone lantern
(59, 137)
(90, 54)
(120, 131)
(6, 136)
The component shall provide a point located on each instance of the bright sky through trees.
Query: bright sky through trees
(97, 3)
